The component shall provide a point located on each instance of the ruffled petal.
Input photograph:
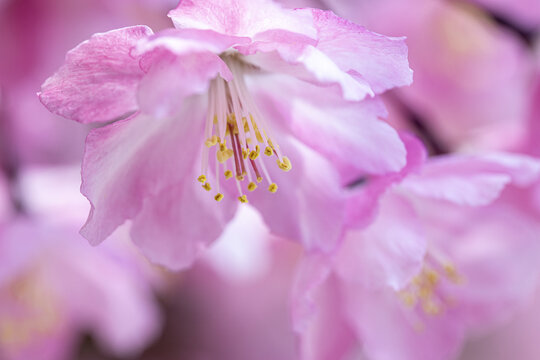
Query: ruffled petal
(241, 17)
(379, 60)
(135, 158)
(178, 64)
(99, 79)
(308, 64)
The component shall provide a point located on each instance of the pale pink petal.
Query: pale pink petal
(309, 205)
(178, 64)
(389, 252)
(136, 158)
(349, 134)
(177, 224)
(471, 180)
(310, 65)
(241, 18)
(379, 60)
(99, 79)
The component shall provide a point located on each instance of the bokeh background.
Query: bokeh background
(476, 88)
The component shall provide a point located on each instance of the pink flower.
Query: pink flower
(250, 83)
(50, 292)
(437, 264)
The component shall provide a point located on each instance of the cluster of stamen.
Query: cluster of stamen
(237, 134)
(424, 291)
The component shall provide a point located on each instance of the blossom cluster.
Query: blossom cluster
(266, 179)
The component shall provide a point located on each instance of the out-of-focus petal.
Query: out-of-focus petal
(390, 331)
(317, 311)
(471, 180)
(99, 79)
(390, 252)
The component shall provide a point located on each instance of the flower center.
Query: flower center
(425, 292)
(237, 134)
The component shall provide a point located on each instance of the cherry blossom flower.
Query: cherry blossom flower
(270, 95)
(437, 264)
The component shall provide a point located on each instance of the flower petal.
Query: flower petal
(312, 195)
(176, 225)
(129, 160)
(390, 331)
(471, 180)
(349, 134)
(379, 60)
(99, 79)
(241, 17)
(318, 312)
(390, 252)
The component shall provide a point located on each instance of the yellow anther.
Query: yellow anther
(218, 197)
(259, 179)
(254, 154)
(239, 177)
(431, 308)
(222, 147)
(272, 188)
(244, 153)
(201, 179)
(268, 151)
(252, 186)
(408, 298)
(452, 274)
(243, 199)
(212, 141)
(228, 174)
(431, 277)
(285, 165)
(271, 144)
(221, 156)
(207, 187)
